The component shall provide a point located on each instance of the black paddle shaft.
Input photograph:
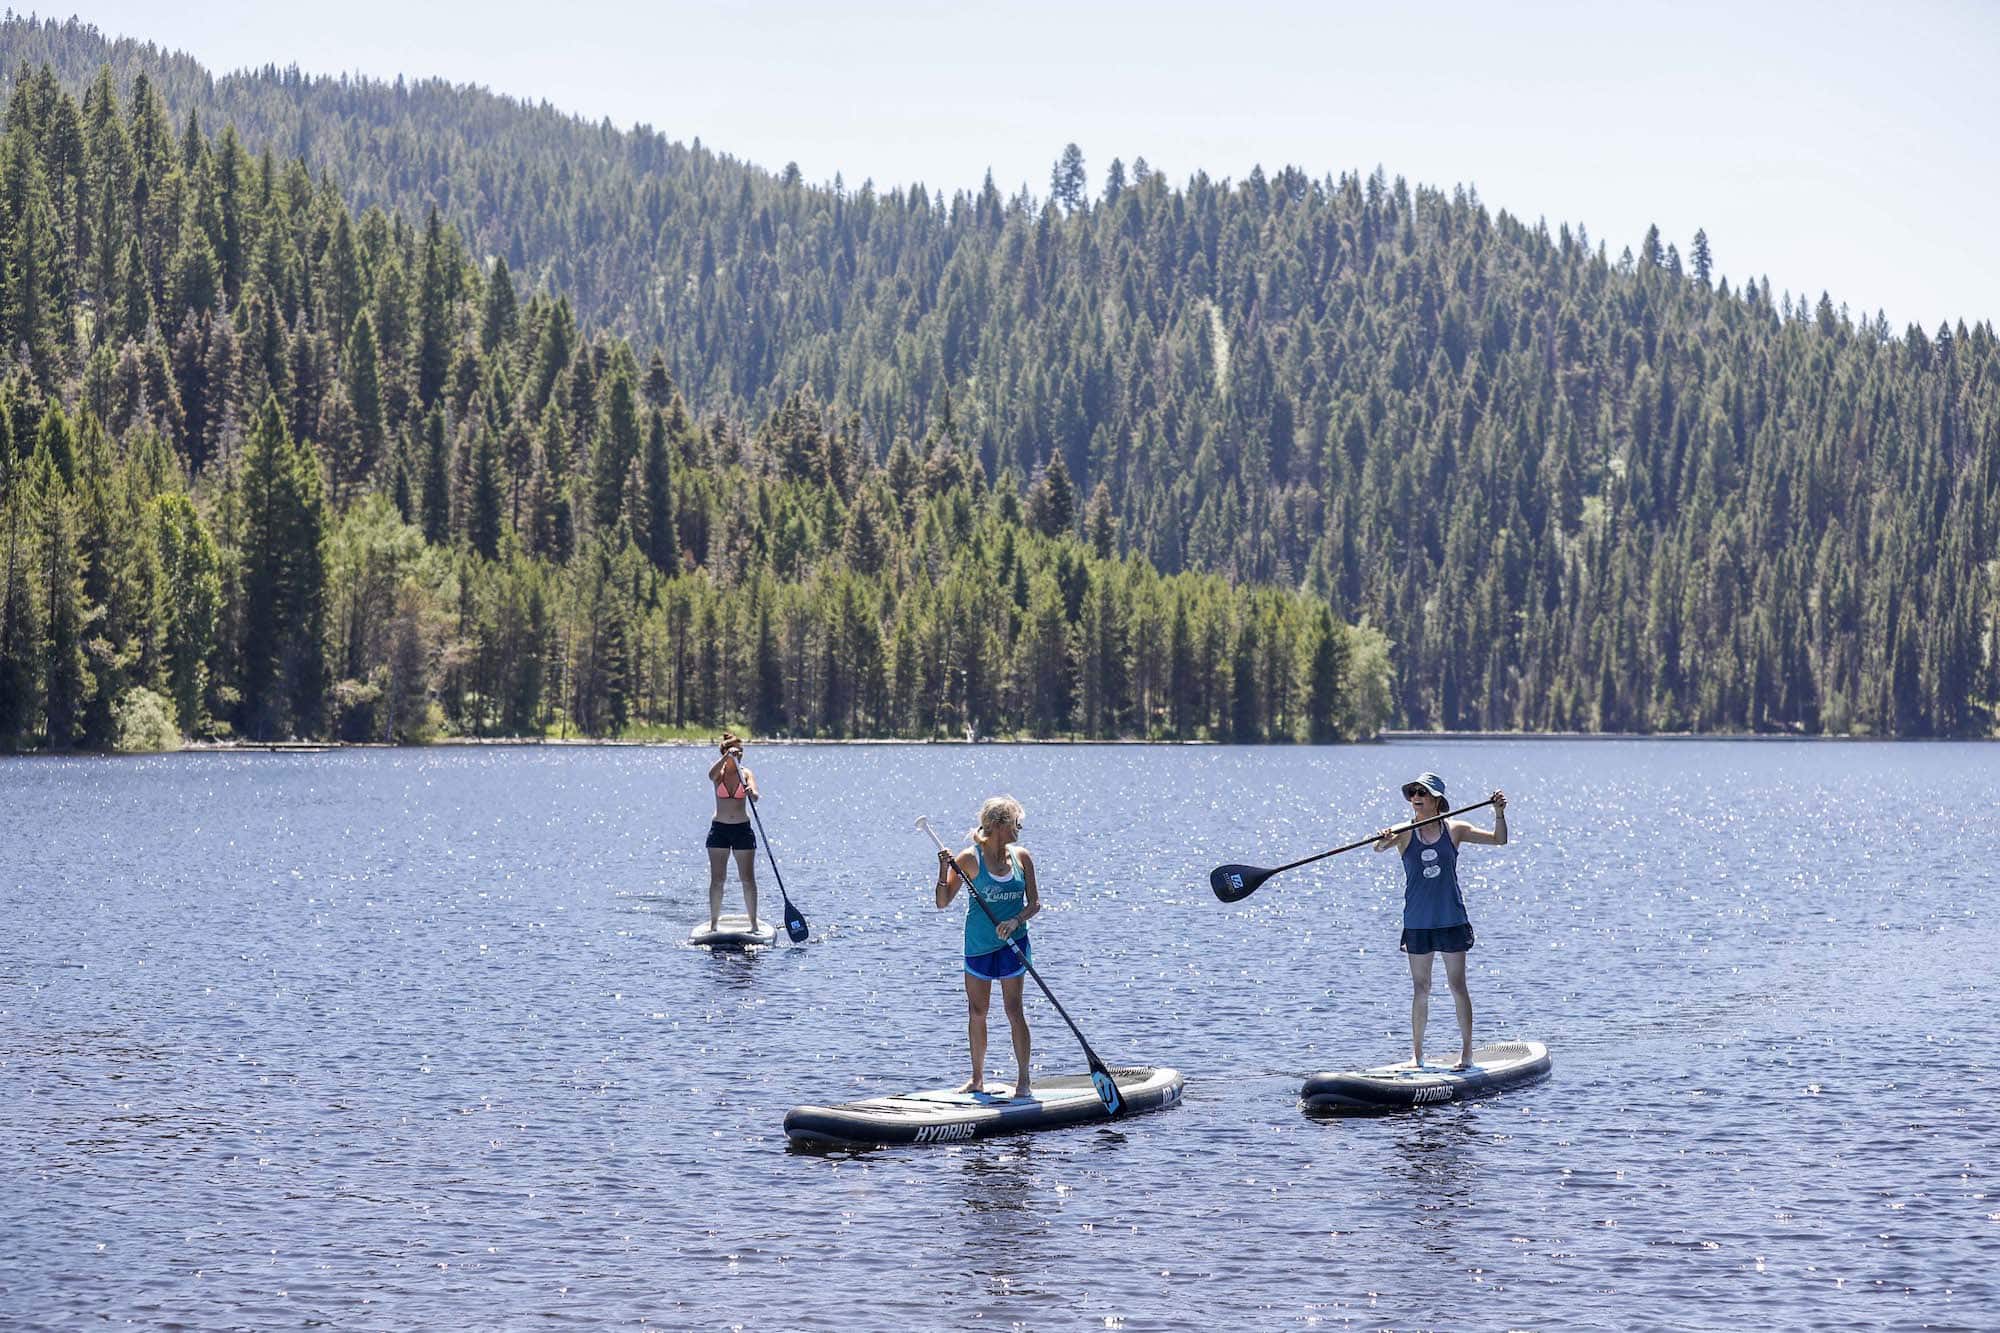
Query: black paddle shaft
(795, 921)
(1234, 883)
(1100, 1077)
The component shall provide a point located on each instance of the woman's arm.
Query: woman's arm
(1388, 838)
(1034, 902)
(1463, 832)
(947, 884)
(715, 769)
(749, 782)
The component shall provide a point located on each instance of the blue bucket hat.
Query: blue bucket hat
(1429, 782)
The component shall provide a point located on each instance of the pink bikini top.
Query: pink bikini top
(739, 794)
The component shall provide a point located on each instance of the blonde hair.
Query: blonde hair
(996, 808)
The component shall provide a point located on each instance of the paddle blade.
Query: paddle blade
(1107, 1087)
(1233, 884)
(795, 923)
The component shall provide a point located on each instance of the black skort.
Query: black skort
(735, 837)
(1445, 939)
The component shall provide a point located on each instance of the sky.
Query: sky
(1828, 146)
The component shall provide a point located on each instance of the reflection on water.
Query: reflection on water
(381, 1038)
(1440, 1169)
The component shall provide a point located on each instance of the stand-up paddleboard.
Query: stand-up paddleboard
(732, 931)
(948, 1116)
(1509, 1064)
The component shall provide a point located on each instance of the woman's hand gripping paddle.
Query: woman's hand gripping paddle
(1100, 1077)
(1235, 883)
(795, 922)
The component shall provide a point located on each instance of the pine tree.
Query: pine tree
(20, 619)
(1068, 184)
(501, 318)
(1325, 698)
(1101, 527)
(67, 684)
(437, 479)
(364, 390)
(483, 522)
(617, 446)
(1052, 502)
(662, 542)
(433, 316)
(190, 601)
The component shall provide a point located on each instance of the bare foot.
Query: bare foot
(713, 925)
(1464, 1062)
(1022, 1091)
(975, 1084)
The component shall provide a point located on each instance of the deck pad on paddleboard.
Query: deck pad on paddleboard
(733, 932)
(944, 1115)
(1397, 1087)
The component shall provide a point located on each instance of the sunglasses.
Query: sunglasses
(1412, 793)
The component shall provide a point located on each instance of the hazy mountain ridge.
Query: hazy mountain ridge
(1576, 491)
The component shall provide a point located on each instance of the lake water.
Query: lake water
(402, 1039)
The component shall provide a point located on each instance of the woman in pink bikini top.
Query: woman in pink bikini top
(730, 833)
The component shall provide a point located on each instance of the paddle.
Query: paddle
(795, 924)
(1235, 883)
(1100, 1077)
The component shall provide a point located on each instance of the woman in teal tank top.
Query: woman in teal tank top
(1002, 874)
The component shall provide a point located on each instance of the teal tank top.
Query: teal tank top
(1004, 897)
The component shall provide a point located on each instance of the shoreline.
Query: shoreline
(1389, 737)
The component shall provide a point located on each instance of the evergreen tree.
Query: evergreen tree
(1068, 185)
(662, 541)
(501, 319)
(364, 390)
(483, 522)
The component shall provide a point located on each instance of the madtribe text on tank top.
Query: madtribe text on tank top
(1431, 897)
(1005, 897)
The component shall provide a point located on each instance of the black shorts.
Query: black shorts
(1445, 939)
(736, 837)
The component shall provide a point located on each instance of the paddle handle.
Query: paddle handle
(1399, 830)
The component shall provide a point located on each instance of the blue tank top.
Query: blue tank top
(1431, 900)
(1004, 897)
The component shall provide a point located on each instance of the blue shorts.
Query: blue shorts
(1001, 964)
(1445, 939)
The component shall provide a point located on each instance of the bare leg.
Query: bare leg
(978, 990)
(1017, 1020)
(746, 870)
(1454, 975)
(1420, 1004)
(718, 865)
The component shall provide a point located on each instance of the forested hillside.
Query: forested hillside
(1573, 489)
(270, 470)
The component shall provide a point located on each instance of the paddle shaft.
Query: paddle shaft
(791, 912)
(1397, 831)
(1089, 1054)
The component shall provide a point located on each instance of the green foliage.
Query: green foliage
(1577, 492)
(146, 723)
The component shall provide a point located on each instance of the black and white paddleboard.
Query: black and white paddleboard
(948, 1116)
(732, 931)
(1507, 1064)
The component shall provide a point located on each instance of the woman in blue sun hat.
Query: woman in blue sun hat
(1434, 917)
